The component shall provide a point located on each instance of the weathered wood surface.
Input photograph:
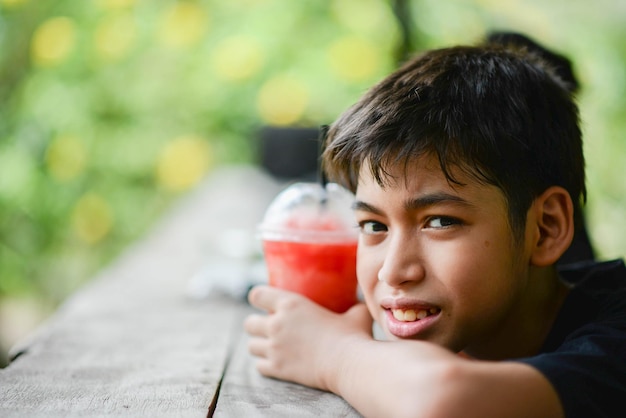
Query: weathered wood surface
(133, 343)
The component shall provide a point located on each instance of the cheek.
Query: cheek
(461, 265)
(367, 271)
(480, 279)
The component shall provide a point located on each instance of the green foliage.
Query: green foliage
(113, 108)
(106, 104)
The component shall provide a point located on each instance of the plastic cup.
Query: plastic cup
(309, 242)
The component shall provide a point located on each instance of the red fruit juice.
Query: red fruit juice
(324, 272)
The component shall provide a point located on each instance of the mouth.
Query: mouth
(416, 321)
(412, 315)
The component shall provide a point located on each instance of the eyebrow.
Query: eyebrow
(417, 203)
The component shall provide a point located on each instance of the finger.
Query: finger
(257, 297)
(265, 367)
(258, 347)
(256, 325)
(266, 297)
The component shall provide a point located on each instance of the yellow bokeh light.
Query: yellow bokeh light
(237, 58)
(183, 24)
(66, 158)
(282, 100)
(353, 59)
(92, 218)
(53, 41)
(182, 163)
(115, 36)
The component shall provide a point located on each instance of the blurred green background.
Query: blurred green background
(111, 109)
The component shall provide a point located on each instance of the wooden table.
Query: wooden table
(142, 340)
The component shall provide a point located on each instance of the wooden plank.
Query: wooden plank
(150, 362)
(246, 393)
(132, 342)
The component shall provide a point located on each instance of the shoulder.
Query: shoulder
(599, 287)
(584, 356)
(592, 274)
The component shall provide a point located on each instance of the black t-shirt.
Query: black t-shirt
(584, 356)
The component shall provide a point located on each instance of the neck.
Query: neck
(525, 328)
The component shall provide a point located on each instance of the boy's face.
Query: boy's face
(436, 261)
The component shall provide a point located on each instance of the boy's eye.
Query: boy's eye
(441, 222)
(372, 227)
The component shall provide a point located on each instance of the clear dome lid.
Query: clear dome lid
(310, 212)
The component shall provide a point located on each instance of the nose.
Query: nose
(402, 264)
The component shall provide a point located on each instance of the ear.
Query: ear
(554, 218)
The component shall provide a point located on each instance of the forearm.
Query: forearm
(397, 379)
(387, 378)
(416, 379)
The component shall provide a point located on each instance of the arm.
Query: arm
(302, 342)
(416, 379)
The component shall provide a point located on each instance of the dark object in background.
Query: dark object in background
(289, 153)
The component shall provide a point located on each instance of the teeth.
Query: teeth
(410, 315)
(398, 314)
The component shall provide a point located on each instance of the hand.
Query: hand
(299, 340)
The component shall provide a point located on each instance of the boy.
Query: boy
(466, 164)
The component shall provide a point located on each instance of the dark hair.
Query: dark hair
(581, 247)
(500, 115)
(561, 65)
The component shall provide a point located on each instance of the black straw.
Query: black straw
(321, 139)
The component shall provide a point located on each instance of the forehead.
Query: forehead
(423, 175)
(424, 169)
